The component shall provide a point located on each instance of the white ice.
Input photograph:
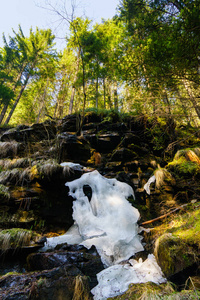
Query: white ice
(109, 222)
(115, 280)
(149, 182)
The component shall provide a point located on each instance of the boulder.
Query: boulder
(173, 254)
(123, 155)
(59, 283)
(74, 148)
(87, 261)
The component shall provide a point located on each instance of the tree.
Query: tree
(29, 53)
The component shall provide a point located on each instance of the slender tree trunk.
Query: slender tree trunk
(72, 100)
(42, 103)
(183, 106)
(115, 96)
(97, 92)
(71, 103)
(166, 101)
(17, 100)
(104, 92)
(110, 96)
(192, 97)
(97, 86)
(61, 98)
(150, 89)
(4, 110)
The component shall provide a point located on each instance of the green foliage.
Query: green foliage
(145, 61)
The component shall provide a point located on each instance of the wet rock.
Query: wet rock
(70, 123)
(34, 133)
(59, 283)
(107, 142)
(92, 117)
(19, 134)
(10, 149)
(88, 262)
(114, 127)
(123, 155)
(73, 148)
(129, 139)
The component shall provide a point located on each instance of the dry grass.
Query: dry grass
(81, 289)
(8, 149)
(14, 238)
(163, 176)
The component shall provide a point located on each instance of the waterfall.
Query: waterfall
(109, 222)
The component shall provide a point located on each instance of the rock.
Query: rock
(173, 254)
(34, 133)
(17, 238)
(88, 262)
(92, 117)
(59, 283)
(123, 155)
(129, 139)
(76, 149)
(69, 123)
(151, 290)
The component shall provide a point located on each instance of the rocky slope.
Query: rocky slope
(34, 201)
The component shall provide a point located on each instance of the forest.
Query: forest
(143, 61)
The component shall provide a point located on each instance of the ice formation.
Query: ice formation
(149, 182)
(115, 280)
(72, 165)
(109, 222)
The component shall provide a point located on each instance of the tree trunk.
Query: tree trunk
(97, 86)
(115, 96)
(42, 103)
(17, 100)
(97, 92)
(4, 110)
(192, 97)
(104, 93)
(166, 102)
(72, 100)
(71, 103)
(187, 116)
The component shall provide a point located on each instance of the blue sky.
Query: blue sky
(29, 13)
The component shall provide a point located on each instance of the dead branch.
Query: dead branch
(164, 216)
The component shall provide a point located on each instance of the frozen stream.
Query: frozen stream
(109, 222)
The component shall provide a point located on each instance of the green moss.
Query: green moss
(186, 162)
(15, 238)
(177, 242)
(151, 291)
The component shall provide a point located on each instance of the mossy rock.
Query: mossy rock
(17, 238)
(4, 194)
(173, 254)
(124, 155)
(152, 291)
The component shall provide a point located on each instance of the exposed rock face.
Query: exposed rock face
(58, 283)
(88, 262)
(33, 194)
